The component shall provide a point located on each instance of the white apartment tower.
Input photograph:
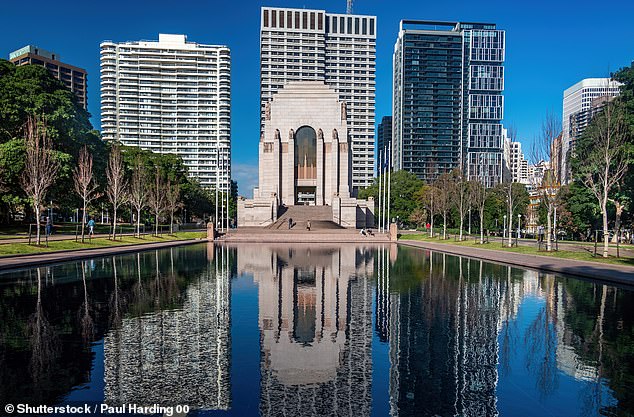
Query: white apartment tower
(171, 96)
(577, 102)
(339, 49)
(515, 161)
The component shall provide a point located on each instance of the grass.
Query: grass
(528, 250)
(61, 245)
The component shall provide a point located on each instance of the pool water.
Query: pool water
(294, 330)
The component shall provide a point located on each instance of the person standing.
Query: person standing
(308, 225)
(290, 223)
(49, 226)
(91, 227)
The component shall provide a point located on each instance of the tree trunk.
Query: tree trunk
(549, 229)
(606, 233)
(138, 223)
(156, 222)
(114, 223)
(171, 223)
(431, 229)
(481, 227)
(510, 226)
(83, 222)
(37, 222)
(444, 226)
(461, 224)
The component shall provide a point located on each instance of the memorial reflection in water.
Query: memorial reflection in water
(315, 330)
(315, 315)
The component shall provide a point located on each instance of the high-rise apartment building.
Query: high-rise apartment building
(578, 111)
(447, 99)
(515, 162)
(340, 49)
(72, 77)
(171, 96)
(383, 135)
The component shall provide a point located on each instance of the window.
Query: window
(281, 18)
(312, 20)
(274, 18)
(266, 18)
(304, 20)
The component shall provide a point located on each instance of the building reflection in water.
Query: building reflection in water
(315, 318)
(452, 326)
(178, 355)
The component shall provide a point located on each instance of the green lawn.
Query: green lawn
(20, 248)
(529, 250)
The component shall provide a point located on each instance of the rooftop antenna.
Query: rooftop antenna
(349, 6)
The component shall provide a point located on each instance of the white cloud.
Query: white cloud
(247, 177)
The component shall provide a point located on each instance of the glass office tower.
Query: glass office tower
(447, 99)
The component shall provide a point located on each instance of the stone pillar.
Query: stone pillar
(344, 167)
(288, 174)
(319, 192)
(393, 232)
(211, 231)
(336, 209)
(336, 169)
(274, 207)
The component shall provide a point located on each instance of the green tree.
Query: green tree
(404, 186)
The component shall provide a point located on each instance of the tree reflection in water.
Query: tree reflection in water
(42, 336)
(86, 322)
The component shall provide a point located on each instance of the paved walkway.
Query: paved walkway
(299, 235)
(593, 270)
(22, 261)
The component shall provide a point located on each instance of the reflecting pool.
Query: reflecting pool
(314, 330)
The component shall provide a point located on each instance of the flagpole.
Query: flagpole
(384, 187)
(217, 184)
(379, 195)
(389, 183)
(228, 190)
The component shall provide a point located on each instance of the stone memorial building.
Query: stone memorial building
(305, 162)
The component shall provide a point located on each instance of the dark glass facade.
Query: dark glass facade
(448, 80)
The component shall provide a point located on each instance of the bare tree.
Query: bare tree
(462, 195)
(445, 185)
(138, 191)
(85, 186)
(428, 195)
(418, 217)
(41, 167)
(479, 197)
(117, 187)
(156, 198)
(606, 160)
(172, 200)
(547, 148)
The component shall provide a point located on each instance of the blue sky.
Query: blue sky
(550, 46)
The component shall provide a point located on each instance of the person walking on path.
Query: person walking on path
(290, 223)
(91, 227)
(49, 226)
(308, 225)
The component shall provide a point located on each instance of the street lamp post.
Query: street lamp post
(504, 232)
(519, 219)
